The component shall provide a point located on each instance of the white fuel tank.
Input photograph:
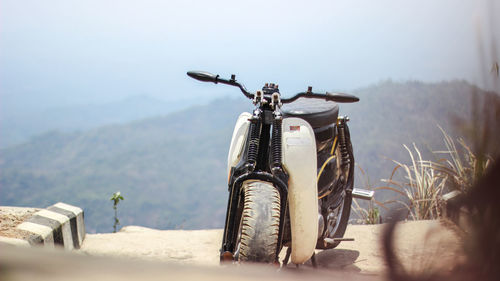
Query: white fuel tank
(238, 140)
(299, 160)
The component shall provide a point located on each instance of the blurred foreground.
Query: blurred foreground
(41, 264)
(143, 253)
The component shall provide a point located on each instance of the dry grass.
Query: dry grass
(421, 188)
(425, 181)
(462, 168)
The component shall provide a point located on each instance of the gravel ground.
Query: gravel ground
(10, 217)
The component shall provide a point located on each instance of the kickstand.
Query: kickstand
(313, 260)
(287, 256)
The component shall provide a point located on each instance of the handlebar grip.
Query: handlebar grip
(336, 97)
(341, 97)
(203, 76)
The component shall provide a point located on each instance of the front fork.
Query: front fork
(254, 164)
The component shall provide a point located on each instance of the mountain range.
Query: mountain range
(18, 124)
(171, 169)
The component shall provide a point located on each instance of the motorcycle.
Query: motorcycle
(290, 175)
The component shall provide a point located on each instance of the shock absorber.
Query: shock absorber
(344, 152)
(276, 136)
(276, 141)
(253, 146)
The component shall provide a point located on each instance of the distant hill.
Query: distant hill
(171, 169)
(391, 114)
(18, 127)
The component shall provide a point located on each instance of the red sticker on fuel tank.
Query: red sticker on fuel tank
(294, 128)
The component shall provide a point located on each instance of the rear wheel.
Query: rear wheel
(337, 207)
(259, 226)
(337, 219)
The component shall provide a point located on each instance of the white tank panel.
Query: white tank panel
(240, 133)
(299, 160)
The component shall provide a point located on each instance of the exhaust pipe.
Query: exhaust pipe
(362, 193)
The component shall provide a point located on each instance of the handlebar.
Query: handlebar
(209, 77)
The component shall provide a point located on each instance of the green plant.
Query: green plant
(369, 214)
(116, 199)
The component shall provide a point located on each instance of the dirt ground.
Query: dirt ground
(421, 245)
(149, 254)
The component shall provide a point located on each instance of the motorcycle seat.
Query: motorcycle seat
(318, 113)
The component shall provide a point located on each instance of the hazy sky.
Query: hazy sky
(77, 52)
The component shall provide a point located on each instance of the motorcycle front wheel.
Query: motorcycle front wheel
(259, 224)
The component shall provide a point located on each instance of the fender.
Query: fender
(240, 134)
(299, 160)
